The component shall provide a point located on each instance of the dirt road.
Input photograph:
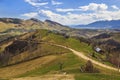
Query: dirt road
(80, 54)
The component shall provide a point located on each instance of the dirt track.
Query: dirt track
(80, 54)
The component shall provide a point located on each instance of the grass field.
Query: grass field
(52, 64)
(58, 39)
(71, 65)
(72, 43)
(4, 26)
(88, 76)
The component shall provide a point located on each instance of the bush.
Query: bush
(89, 68)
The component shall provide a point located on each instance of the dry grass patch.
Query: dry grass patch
(21, 68)
(48, 77)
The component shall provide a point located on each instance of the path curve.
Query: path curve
(80, 54)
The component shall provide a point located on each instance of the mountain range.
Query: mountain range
(7, 23)
(112, 24)
(14, 26)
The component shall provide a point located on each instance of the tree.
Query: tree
(107, 53)
(93, 54)
(89, 67)
(119, 63)
(60, 66)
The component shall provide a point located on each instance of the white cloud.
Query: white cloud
(67, 10)
(83, 18)
(90, 7)
(67, 19)
(115, 7)
(30, 15)
(55, 2)
(94, 7)
(36, 3)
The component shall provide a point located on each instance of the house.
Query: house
(97, 49)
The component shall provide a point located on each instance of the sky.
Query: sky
(66, 12)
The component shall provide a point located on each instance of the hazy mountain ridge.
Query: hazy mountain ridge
(10, 27)
(16, 26)
(112, 24)
(33, 23)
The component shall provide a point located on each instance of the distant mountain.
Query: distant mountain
(11, 20)
(52, 22)
(11, 27)
(113, 24)
(14, 26)
(8, 23)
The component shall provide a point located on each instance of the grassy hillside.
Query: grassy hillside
(48, 59)
(71, 65)
(116, 36)
(63, 40)
(110, 44)
(4, 26)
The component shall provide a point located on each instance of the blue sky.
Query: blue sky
(67, 12)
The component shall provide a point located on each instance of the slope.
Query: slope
(71, 62)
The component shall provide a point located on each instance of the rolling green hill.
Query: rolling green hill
(37, 58)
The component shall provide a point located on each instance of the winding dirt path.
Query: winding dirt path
(80, 54)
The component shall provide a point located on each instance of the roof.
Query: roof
(98, 49)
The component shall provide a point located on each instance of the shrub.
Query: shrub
(89, 68)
